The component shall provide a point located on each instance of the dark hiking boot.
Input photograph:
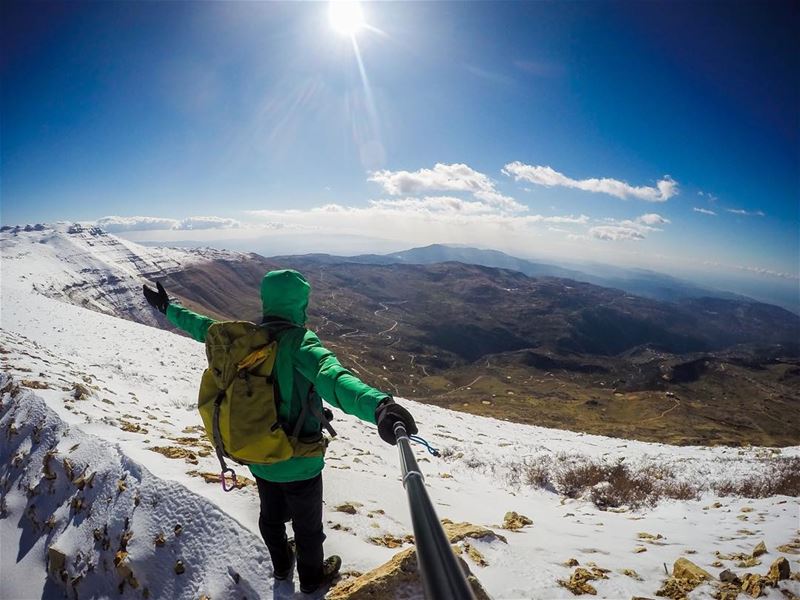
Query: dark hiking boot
(330, 573)
(287, 573)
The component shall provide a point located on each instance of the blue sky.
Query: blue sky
(656, 134)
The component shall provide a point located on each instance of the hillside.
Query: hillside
(103, 453)
(545, 351)
(489, 341)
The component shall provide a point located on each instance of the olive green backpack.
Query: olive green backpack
(238, 401)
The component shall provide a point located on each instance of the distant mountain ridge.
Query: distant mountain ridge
(641, 282)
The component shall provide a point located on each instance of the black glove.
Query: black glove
(387, 414)
(156, 299)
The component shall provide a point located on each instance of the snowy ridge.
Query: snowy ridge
(97, 516)
(89, 267)
(126, 392)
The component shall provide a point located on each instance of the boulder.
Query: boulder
(456, 532)
(56, 562)
(728, 576)
(753, 584)
(686, 569)
(398, 578)
(578, 583)
(779, 570)
(760, 549)
(513, 521)
(675, 589)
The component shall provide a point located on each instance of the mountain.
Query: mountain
(109, 487)
(640, 282)
(89, 267)
(544, 351)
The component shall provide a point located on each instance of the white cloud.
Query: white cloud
(628, 229)
(652, 219)
(438, 204)
(208, 223)
(705, 211)
(769, 272)
(117, 224)
(746, 213)
(114, 224)
(457, 177)
(665, 189)
(615, 233)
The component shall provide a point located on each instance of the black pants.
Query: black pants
(300, 501)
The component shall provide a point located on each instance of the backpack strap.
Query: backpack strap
(219, 449)
(305, 409)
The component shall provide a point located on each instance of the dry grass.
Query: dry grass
(610, 485)
(775, 477)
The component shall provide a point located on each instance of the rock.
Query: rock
(211, 477)
(398, 578)
(347, 507)
(728, 576)
(456, 532)
(649, 536)
(753, 584)
(676, 589)
(779, 570)
(790, 548)
(632, 574)
(727, 591)
(748, 562)
(80, 391)
(686, 569)
(56, 561)
(760, 549)
(475, 555)
(175, 452)
(514, 521)
(390, 541)
(578, 583)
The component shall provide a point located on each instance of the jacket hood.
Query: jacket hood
(284, 294)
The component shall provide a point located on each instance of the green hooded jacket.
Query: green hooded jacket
(301, 361)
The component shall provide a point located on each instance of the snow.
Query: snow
(136, 375)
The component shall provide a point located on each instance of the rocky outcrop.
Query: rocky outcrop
(578, 583)
(685, 577)
(398, 578)
(779, 570)
(514, 521)
(456, 532)
(686, 569)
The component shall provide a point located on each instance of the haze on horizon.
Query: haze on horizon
(652, 135)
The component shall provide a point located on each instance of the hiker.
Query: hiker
(303, 369)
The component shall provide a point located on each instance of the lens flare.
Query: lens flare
(346, 17)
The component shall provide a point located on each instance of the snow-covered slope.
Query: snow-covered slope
(88, 267)
(125, 393)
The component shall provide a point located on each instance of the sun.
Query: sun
(346, 17)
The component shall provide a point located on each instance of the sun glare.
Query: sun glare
(346, 17)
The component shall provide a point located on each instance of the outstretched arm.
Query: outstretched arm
(192, 323)
(337, 386)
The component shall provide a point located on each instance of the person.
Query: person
(292, 489)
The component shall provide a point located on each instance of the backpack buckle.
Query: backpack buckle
(232, 478)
